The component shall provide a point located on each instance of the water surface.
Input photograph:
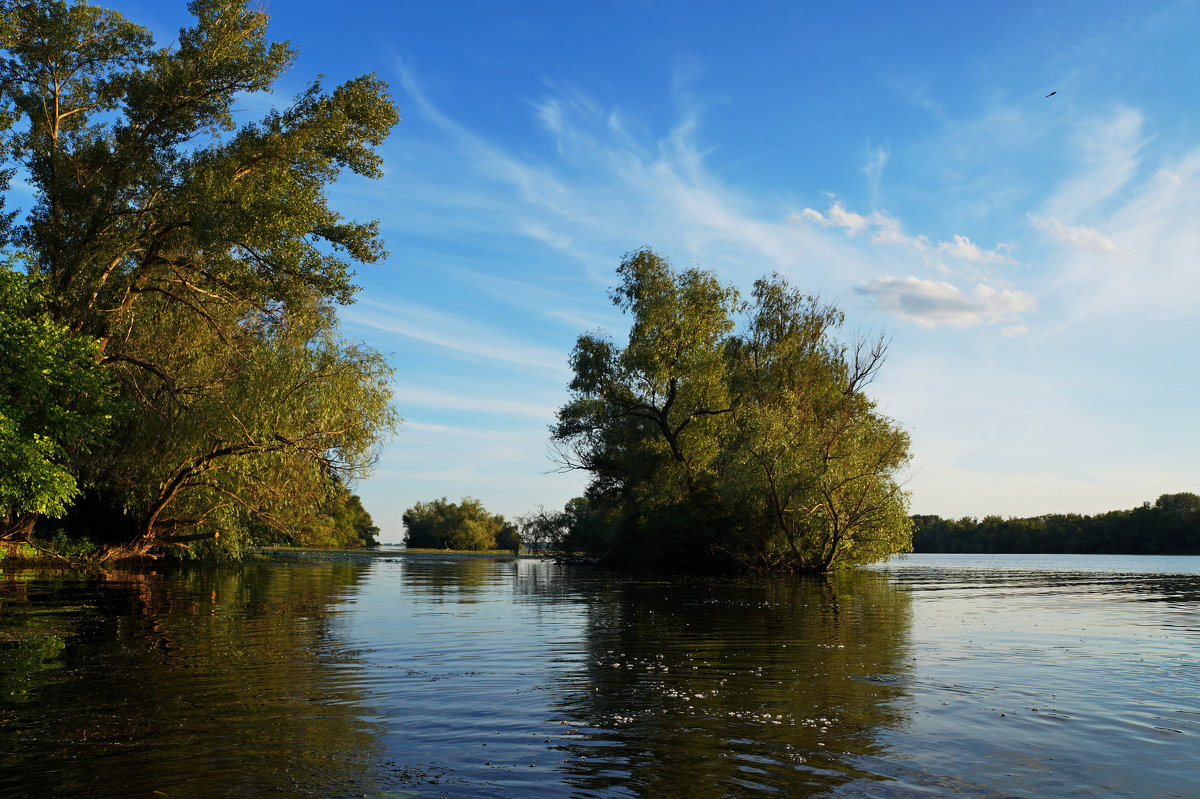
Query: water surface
(391, 675)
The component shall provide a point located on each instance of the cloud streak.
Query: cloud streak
(443, 400)
(461, 335)
(1077, 236)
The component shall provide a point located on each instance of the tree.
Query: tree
(340, 521)
(272, 428)
(467, 525)
(509, 538)
(540, 530)
(55, 406)
(157, 219)
(1170, 526)
(645, 419)
(809, 463)
(707, 444)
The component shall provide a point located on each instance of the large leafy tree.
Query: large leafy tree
(202, 255)
(808, 462)
(645, 417)
(271, 427)
(441, 524)
(755, 446)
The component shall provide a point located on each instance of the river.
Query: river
(388, 676)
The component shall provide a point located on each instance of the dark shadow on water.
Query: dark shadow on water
(200, 683)
(735, 687)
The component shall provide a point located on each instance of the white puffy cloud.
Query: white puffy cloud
(931, 302)
(964, 249)
(838, 216)
(885, 229)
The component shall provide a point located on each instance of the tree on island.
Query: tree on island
(465, 525)
(202, 265)
(732, 433)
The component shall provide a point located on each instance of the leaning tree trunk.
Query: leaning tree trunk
(17, 529)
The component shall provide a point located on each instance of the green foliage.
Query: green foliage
(1171, 526)
(466, 525)
(711, 445)
(202, 258)
(342, 522)
(509, 538)
(262, 426)
(582, 526)
(540, 530)
(55, 405)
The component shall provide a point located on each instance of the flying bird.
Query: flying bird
(1051, 94)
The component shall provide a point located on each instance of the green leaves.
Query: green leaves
(464, 525)
(55, 404)
(202, 258)
(756, 446)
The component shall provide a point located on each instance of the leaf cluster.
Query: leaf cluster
(55, 404)
(735, 431)
(202, 260)
(465, 525)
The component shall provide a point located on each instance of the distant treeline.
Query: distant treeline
(1171, 526)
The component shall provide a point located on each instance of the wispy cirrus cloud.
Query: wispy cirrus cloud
(1137, 255)
(472, 433)
(1077, 236)
(449, 331)
(606, 179)
(409, 397)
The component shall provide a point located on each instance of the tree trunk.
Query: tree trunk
(18, 529)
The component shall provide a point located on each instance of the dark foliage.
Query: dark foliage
(1171, 526)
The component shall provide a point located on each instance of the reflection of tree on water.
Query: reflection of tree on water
(735, 687)
(202, 683)
(454, 579)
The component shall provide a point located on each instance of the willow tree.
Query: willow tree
(155, 212)
(269, 427)
(645, 417)
(809, 464)
(755, 446)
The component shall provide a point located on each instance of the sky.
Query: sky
(1033, 260)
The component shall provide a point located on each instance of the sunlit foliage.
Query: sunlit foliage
(467, 525)
(731, 431)
(201, 257)
(54, 406)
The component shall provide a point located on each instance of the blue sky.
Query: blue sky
(1035, 261)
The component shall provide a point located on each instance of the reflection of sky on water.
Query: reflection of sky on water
(1064, 676)
(500, 678)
